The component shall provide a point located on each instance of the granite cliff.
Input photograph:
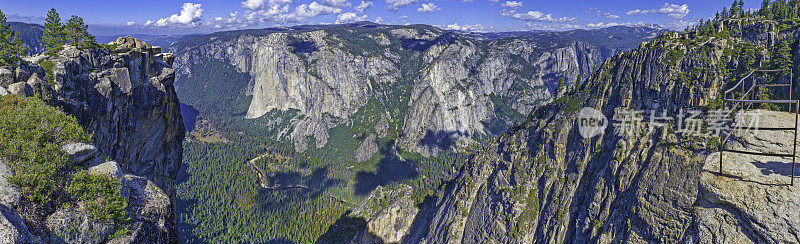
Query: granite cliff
(543, 182)
(439, 88)
(123, 96)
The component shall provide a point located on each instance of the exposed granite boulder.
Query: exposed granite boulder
(72, 226)
(152, 211)
(40, 88)
(110, 169)
(9, 194)
(12, 227)
(128, 42)
(6, 77)
(21, 74)
(3, 91)
(79, 153)
(21, 88)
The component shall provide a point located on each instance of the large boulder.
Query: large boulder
(129, 42)
(40, 88)
(21, 74)
(9, 194)
(72, 226)
(21, 88)
(12, 227)
(79, 153)
(3, 92)
(153, 211)
(6, 77)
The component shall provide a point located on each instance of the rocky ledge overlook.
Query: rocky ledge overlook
(123, 96)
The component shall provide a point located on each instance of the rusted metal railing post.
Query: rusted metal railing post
(794, 143)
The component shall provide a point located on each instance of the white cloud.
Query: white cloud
(456, 26)
(349, 17)
(378, 20)
(363, 6)
(539, 16)
(602, 14)
(306, 11)
(672, 11)
(508, 12)
(260, 4)
(393, 5)
(511, 4)
(189, 16)
(427, 8)
(602, 24)
(130, 23)
(335, 3)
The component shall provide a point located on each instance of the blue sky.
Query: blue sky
(107, 17)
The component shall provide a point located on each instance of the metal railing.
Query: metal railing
(752, 92)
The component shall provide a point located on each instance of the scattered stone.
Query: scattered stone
(40, 88)
(6, 77)
(110, 169)
(21, 88)
(72, 226)
(9, 194)
(79, 152)
(12, 227)
(21, 74)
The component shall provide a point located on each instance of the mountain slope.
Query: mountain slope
(31, 35)
(543, 182)
(440, 85)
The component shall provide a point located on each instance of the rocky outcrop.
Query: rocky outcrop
(389, 214)
(72, 226)
(126, 100)
(543, 182)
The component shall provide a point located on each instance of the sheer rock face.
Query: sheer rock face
(389, 215)
(127, 100)
(543, 182)
(453, 85)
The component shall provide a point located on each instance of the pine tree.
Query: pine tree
(11, 46)
(78, 33)
(54, 35)
(764, 10)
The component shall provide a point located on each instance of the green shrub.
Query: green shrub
(100, 195)
(30, 137)
(49, 76)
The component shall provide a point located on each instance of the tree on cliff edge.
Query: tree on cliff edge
(54, 35)
(11, 46)
(78, 33)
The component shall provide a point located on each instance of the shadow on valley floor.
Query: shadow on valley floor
(343, 230)
(391, 168)
(442, 140)
(298, 184)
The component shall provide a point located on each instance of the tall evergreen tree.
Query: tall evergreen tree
(11, 46)
(54, 35)
(764, 10)
(78, 33)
